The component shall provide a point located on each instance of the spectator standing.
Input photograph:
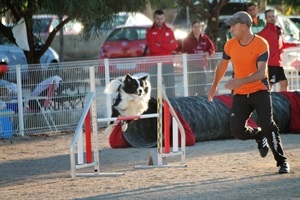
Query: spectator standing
(274, 36)
(161, 42)
(197, 43)
(257, 23)
(249, 55)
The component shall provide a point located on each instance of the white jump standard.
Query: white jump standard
(91, 136)
(160, 155)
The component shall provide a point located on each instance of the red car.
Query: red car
(125, 42)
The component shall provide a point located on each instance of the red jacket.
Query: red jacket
(274, 36)
(163, 37)
(191, 45)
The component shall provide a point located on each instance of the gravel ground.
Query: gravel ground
(38, 167)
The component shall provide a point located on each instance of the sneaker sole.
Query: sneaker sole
(285, 171)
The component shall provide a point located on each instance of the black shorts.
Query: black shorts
(276, 74)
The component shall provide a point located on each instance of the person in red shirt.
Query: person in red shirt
(197, 43)
(161, 42)
(273, 34)
(251, 90)
(160, 38)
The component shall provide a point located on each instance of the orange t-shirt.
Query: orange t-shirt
(244, 60)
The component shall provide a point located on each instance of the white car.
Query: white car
(290, 29)
(12, 55)
(295, 19)
(127, 19)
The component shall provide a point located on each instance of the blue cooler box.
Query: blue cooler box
(13, 105)
(6, 123)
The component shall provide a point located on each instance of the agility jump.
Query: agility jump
(91, 136)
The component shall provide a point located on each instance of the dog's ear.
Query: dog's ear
(144, 78)
(128, 77)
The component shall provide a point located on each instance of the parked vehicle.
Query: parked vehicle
(44, 24)
(295, 19)
(182, 21)
(77, 48)
(127, 41)
(126, 19)
(12, 55)
(290, 30)
(124, 42)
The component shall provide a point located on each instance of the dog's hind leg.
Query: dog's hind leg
(112, 124)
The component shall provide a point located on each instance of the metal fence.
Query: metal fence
(37, 100)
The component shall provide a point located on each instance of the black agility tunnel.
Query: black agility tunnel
(208, 120)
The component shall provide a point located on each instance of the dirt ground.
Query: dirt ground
(38, 167)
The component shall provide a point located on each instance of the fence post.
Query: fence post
(185, 75)
(20, 100)
(107, 79)
(159, 111)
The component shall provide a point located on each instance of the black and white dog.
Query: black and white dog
(133, 95)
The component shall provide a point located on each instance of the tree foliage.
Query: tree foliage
(287, 7)
(291, 3)
(91, 13)
(210, 10)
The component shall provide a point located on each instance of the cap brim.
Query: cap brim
(230, 22)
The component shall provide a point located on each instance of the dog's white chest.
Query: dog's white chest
(129, 106)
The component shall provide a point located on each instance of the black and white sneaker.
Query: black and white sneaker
(262, 145)
(284, 168)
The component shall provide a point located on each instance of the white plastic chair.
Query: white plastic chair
(43, 103)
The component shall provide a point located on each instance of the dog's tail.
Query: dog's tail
(113, 86)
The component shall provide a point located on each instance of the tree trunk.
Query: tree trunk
(34, 67)
(213, 31)
(61, 42)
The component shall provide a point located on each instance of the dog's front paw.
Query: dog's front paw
(124, 126)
